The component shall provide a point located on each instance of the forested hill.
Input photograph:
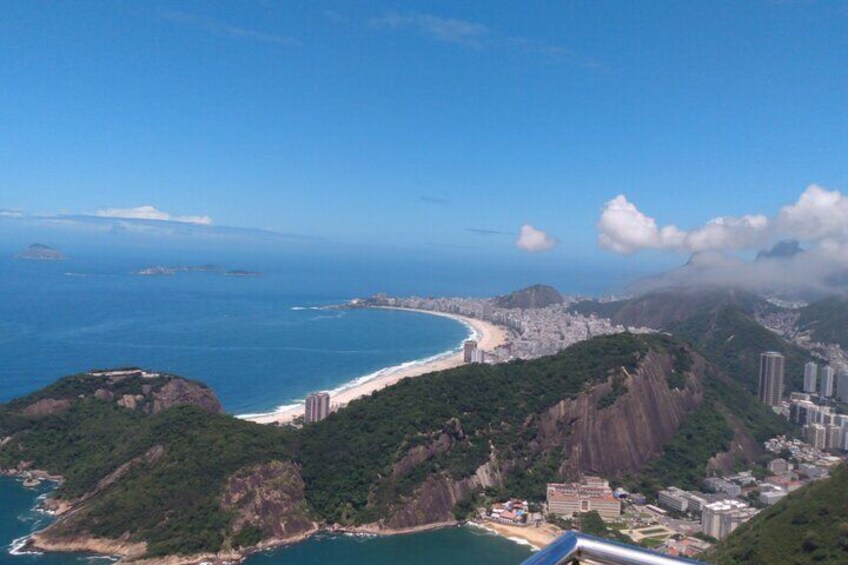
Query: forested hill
(187, 480)
(808, 526)
(826, 320)
(720, 322)
(536, 296)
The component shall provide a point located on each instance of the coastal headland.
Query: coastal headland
(488, 336)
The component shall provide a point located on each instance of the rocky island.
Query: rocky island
(162, 270)
(40, 252)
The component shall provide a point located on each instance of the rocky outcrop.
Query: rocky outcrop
(434, 500)
(46, 541)
(45, 407)
(621, 438)
(269, 497)
(180, 391)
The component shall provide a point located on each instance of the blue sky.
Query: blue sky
(423, 124)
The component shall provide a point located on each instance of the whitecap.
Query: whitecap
(17, 547)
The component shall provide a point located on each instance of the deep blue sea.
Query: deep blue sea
(258, 342)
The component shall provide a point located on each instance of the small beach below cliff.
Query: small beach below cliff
(488, 337)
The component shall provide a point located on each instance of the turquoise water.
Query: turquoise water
(258, 342)
(447, 547)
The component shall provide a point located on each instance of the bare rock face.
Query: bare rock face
(435, 499)
(179, 391)
(45, 407)
(623, 437)
(269, 496)
(595, 437)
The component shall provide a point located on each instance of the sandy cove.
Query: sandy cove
(537, 536)
(489, 336)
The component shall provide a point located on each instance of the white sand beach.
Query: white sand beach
(488, 335)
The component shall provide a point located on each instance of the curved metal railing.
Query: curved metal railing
(571, 547)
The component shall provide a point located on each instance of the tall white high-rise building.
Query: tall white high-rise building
(826, 388)
(810, 370)
(771, 378)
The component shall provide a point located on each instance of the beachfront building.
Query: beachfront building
(469, 351)
(591, 493)
(317, 407)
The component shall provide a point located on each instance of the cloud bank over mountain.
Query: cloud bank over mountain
(816, 215)
(818, 219)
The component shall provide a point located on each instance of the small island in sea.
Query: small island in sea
(165, 270)
(40, 252)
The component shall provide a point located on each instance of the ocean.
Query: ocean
(260, 343)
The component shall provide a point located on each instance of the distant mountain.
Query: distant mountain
(720, 322)
(536, 296)
(40, 252)
(781, 250)
(663, 308)
(808, 526)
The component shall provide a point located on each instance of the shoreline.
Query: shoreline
(121, 551)
(488, 335)
(535, 537)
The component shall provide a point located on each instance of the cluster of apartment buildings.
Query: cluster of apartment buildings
(590, 494)
(826, 382)
(728, 502)
(812, 409)
(531, 332)
(822, 427)
(720, 512)
(812, 462)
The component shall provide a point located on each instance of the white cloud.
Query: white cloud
(623, 228)
(151, 213)
(447, 30)
(11, 214)
(817, 214)
(216, 27)
(533, 240)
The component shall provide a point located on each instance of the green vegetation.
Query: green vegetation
(733, 340)
(477, 406)
(825, 320)
(178, 461)
(159, 478)
(684, 458)
(808, 526)
(591, 523)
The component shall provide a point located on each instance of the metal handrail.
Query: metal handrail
(573, 546)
